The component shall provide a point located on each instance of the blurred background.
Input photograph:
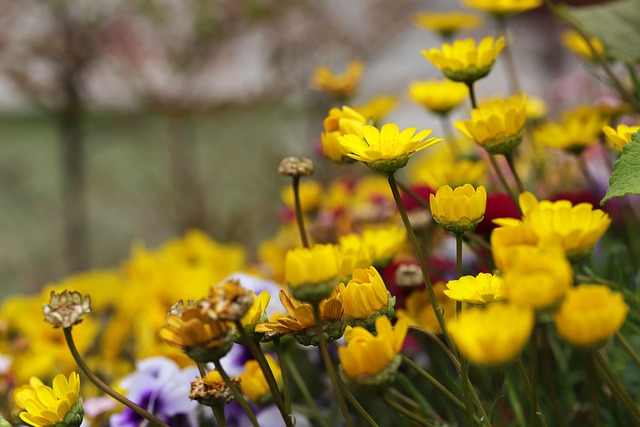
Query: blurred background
(135, 120)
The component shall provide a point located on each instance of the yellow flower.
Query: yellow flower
(537, 277)
(447, 23)
(377, 107)
(300, 321)
(494, 335)
(339, 85)
(340, 122)
(384, 241)
(498, 126)
(621, 135)
(576, 130)
(573, 41)
(590, 315)
(505, 239)
(353, 254)
(503, 7)
(310, 192)
(60, 405)
(536, 109)
(312, 274)
(481, 289)
(199, 336)
(373, 360)
(211, 390)
(365, 297)
(256, 312)
(438, 96)
(465, 62)
(253, 382)
(386, 150)
(458, 210)
(419, 312)
(441, 167)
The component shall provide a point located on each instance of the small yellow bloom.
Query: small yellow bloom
(60, 405)
(441, 167)
(447, 23)
(438, 96)
(365, 297)
(621, 135)
(312, 274)
(576, 130)
(481, 289)
(386, 150)
(377, 108)
(353, 254)
(503, 7)
(256, 312)
(590, 315)
(537, 277)
(419, 312)
(253, 382)
(536, 109)
(339, 85)
(340, 122)
(573, 41)
(465, 62)
(505, 239)
(310, 193)
(492, 336)
(498, 126)
(384, 241)
(458, 210)
(370, 360)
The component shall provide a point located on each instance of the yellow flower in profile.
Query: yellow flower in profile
(253, 382)
(537, 277)
(447, 23)
(441, 167)
(341, 86)
(465, 62)
(590, 315)
(459, 210)
(576, 130)
(312, 274)
(340, 121)
(418, 310)
(256, 312)
(492, 336)
(620, 136)
(370, 360)
(573, 41)
(353, 254)
(310, 192)
(377, 108)
(536, 109)
(508, 237)
(438, 96)
(384, 241)
(497, 126)
(60, 405)
(481, 289)
(388, 149)
(365, 297)
(503, 7)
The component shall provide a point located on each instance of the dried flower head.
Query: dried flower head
(228, 301)
(66, 309)
(296, 166)
(409, 276)
(211, 390)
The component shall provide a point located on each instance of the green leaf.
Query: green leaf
(625, 179)
(615, 23)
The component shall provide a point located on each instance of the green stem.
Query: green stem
(503, 180)
(472, 95)
(297, 378)
(547, 367)
(449, 135)
(203, 372)
(103, 386)
(514, 172)
(423, 267)
(403, 411)
(257, 353)
(633, 74)
(422, 202)
(236, 393)
(438, 341)
(299, 216)
(584, 168)
(333, 376)
(424, 405)
(514, 84)
(534, 377)
(627, 347)
(593, 390)
(352, 399)
(614, 384)
(286, 383)
(218, 412)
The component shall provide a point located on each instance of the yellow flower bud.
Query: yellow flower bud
(312, 274)
(458, 210)
(365, 297)
(253, 382)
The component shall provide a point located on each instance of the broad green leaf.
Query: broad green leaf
(625, 179)
(615, 23)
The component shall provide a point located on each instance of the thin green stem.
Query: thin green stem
(286, 383)
(406, 384)
(423, 267)
(257, 353)
(68, 336)
(438, 341)
(593, 390)
(514, 172)
(627, 347)
(472, 95)
(403, 411)
(534, 377)
(503, 180)
(422, 202)
(584, 168)
(236, 393)
(297, 378)
(333, 376)
(299, 216)
(218, 412)
(633, 74)
(614, 384)
(354, 402)
(203, 372)
(449, 135)
(514, 84)
(547, 361)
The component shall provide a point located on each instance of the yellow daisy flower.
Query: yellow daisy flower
(341, 86)
(576, 130)
(365, 297)
(503, 7)
(621, 135)
(60, 404)
(438, 96)
(253, 382)
(418, 310)
(377, 108)
(573, 41)
(459, 210)
(340, 121)
(447, 23)
(312, 274)
(481, 289)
